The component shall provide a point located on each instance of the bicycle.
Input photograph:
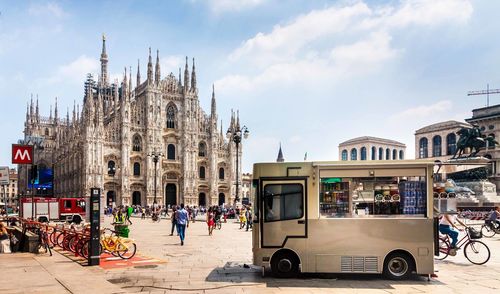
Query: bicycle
(490, 228)
(115, 245)
(475, 251)
(218, 223)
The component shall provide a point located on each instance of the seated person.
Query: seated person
(445, 227)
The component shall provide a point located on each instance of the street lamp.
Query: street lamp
(234, 134)
(112, 172)
(156, 157)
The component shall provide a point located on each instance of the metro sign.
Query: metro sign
(22, 154)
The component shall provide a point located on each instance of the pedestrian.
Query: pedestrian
(182, 221)
(4, 239)
(130, 209)
(243, 219)
(143, 216)
(210, 221)
(174, 222)
(248, 216)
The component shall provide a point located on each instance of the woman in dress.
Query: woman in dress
(210, 221)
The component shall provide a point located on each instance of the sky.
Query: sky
(306, 74)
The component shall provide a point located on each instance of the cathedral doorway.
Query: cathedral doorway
(202, 200)
(222, 199)
(171, 194)
(136, 198)
(110, 198)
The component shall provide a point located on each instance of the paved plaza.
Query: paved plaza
(215, 264)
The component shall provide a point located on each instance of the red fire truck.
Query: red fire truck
(51, 208)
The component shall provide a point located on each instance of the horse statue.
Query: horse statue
(473, 139)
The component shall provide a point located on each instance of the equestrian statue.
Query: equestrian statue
(473, 139)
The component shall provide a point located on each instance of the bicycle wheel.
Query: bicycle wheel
(126, 250)
(487, 231)
(477, 252)
(219, 225)
(444, 249)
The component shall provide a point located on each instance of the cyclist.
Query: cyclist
(494, 218)
(445, 227)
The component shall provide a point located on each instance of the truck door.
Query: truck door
(283, 214)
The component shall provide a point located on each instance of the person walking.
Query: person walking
(173, 219)
(248, 215)
(243, 219)
(182, 221)
(130, 210)
(143, 210)
(210, 221)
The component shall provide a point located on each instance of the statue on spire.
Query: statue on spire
(157, 68)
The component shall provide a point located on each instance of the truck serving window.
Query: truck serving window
(373, 196)
(283, 202)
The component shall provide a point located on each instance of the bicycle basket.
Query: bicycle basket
(475, 234)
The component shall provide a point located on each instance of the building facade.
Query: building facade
(139, 142)
(438, 141)
(371, 148)
(9, 192)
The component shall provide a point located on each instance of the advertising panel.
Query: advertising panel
(4, 175)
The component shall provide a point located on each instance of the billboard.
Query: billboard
(4, 175)
(43, 180)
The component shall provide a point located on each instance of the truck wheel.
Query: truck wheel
(398, 266)
(285, 265)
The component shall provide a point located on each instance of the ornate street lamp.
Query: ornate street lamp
(234, 134)
(156, 157)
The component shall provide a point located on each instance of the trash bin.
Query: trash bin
(122, 230)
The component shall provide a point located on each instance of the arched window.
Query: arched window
(401, 155)
(171, 117)
(436, 146)
(202, 172)
(46, 131)
(136, 143)
(451, 144)
(387, 154)
(137, 169)
(422, 148)
(202, 149)
(394, 154)
(344, 155)
(380, 153)
(363, 153)
(354, 154)
(374, 153)
(171, 151)
(111, 168)
(221, 173)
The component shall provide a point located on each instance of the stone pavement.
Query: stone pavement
(214, 264)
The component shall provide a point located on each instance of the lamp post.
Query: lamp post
(37, 143)
(234, 134)
(112, 172)
(156, 157)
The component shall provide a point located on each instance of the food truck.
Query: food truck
(344, 217)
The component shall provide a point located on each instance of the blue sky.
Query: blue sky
(308, 74)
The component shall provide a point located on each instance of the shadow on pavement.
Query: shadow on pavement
(242, 273)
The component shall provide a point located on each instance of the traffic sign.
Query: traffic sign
(22, 154)
(4, 175)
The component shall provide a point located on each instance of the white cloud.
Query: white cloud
(171, 64)
(76, 71)
(423, 111)
(334, 43)
(219, 6)
(49, 9)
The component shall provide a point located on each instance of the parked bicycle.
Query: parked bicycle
(475, 251)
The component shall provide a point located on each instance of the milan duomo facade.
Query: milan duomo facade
(112, 142)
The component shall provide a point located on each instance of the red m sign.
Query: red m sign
(22, 154)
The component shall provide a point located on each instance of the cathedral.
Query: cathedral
(152, 142)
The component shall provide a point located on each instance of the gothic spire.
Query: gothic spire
(74, 111)
(125, 85)
(193, 78)
(138, 73)
(157, 67)
(130, 80)
(186, 76)
(56, 116)
(31, 106)
(67, 117)
(213, 101)
(238, 119)
(104, 63)
(37, 113)
(78, 112)
(27, 112)
(150, 68)
(50, 116)
(280, 155)
(180, 81)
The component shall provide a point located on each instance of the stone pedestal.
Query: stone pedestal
(486, 192)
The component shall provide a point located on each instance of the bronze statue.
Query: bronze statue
(473, 139)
